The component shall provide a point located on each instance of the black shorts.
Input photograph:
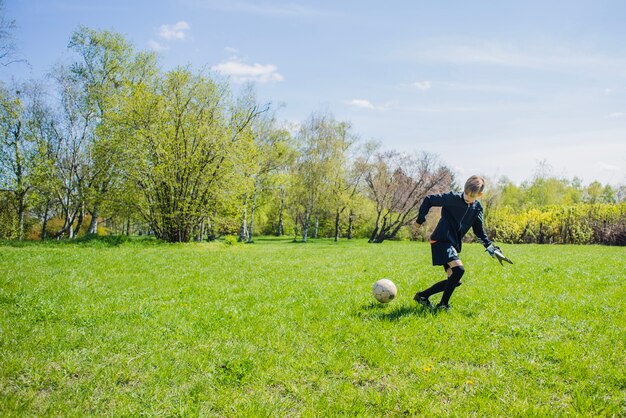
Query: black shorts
(443, 253)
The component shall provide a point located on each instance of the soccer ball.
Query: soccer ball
(384, 290)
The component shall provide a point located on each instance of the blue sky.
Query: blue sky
(492, 87)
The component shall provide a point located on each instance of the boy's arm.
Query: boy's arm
(493, 250)
(427, 203)
(479, 231)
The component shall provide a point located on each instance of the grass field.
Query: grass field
(276, 328)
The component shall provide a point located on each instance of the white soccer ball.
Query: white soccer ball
(384, 290)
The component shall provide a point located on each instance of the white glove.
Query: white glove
(496, 252)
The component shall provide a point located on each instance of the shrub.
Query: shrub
(230, 240)
(584, 223)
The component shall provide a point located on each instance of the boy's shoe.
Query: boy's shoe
(442, 307)
(422, 300)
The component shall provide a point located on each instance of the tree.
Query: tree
(105, 71)
(593, 192)
(346, 180)
(271, 153)
(41, 129)
(188, 143)
(15, 154)
(397, 184)
(7, 42)
(609, 194)
(322, 143)
(71, 131)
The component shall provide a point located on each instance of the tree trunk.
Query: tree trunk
(200, 233)
(81, 217)
(252, 210)
(21, 209)
(209, 228)
(337, 225)
(93, 225)
(380, 234)
(243, 229)
(376, 229)
(44, 232)
(281, 226)
(305, 226)
(350, 219)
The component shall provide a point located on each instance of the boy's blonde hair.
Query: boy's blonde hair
(474, 185)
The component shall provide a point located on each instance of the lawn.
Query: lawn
(277, 328)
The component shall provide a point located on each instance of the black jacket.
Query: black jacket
(457, 217)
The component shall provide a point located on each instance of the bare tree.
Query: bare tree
(397, 184)
(7, 42)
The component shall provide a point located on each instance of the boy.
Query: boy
(459, 212)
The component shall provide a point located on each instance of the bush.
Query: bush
(584, 223)
(230, 240)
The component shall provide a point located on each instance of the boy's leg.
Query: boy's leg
(454, 279)
(443, 253)
(436, 288)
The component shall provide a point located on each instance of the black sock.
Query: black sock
(436, 288)
(451, 284)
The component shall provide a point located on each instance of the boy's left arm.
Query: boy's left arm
(493, 250)
(479, 230)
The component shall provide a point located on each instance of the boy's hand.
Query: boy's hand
(496, 252)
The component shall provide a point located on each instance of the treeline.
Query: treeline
(552, 210)
(111, 144)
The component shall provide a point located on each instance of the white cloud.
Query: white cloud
(155, 46)
(242, 72)
(616, 115)
(366, 104)
(422, 85)
(175, 32)
(362, 103)
(534, 56)
(607, 166)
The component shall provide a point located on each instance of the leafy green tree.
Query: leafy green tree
(106, 69)
(25, 162)
(272, 152)
(504, 193)
(609, 194)
(321, 142)
(574, 192)
(347, 180)
(544, 191)
(41, 129)
(593, 192)
(15, 155)
(189, 140)
(72, 134)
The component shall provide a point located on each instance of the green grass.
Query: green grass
(281, 329)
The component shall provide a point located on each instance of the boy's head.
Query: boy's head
(474, 187)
